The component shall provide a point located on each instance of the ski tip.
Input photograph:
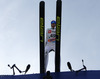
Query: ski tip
(58, 0)
(42, 2)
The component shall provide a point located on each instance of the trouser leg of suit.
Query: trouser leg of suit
(48, 48)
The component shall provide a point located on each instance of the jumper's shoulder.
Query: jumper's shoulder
(48, 29)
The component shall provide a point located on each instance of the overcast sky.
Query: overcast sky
(19, 34)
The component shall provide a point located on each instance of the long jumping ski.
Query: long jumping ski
(42, 35)
(58, 35)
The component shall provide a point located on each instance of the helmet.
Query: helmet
(53, 21)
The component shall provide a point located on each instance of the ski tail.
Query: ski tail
(42, 35)
(58, 35)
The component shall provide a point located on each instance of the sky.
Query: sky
(19, 34)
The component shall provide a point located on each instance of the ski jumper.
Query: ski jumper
(50, 43)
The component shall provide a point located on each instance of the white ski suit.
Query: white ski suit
(50, 43)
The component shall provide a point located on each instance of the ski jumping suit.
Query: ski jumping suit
(50, 43)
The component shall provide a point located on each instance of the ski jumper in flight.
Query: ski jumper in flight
(50, 41)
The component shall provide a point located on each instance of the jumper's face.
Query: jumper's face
(53, 25)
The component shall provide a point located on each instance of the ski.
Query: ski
(42, 35)
(58, 35)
